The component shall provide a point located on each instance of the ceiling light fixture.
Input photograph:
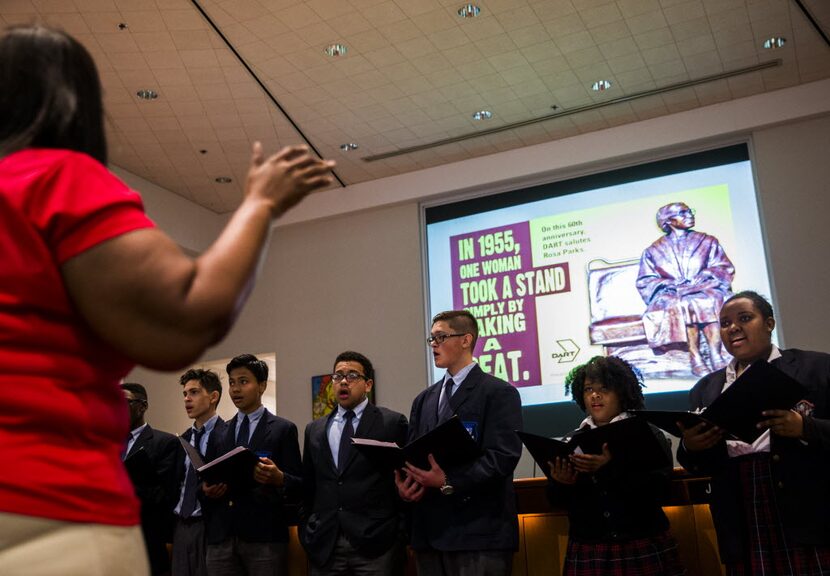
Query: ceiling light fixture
(122, 26)
(774, 42)
(349, 146)
(147, 94)
(469, 11)
(601, 85)
(335, 50)
(223, 180)
(482, 115)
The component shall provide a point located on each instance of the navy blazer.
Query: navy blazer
(158, 497)
(361, 502)
(481, 514)
(257, 513)
(800, 471)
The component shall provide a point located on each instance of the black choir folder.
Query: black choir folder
(233, 467)
(737, 411)
(449, 443)
(630, 441)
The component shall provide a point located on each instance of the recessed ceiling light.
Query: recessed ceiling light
(482, 115)
(122, 26)
(601, 85)
(349, 146)
(774, 42)
(469, 11)
(223, 180)
(335, 50)
(147, 94)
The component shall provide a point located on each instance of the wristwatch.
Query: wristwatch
(446, 488)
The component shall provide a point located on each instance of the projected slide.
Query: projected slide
(558, 280)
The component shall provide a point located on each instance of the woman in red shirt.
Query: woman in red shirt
(88, 288)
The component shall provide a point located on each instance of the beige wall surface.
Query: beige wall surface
(354, 280)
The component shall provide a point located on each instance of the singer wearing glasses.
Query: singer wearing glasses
(464, 519)
(352, 519)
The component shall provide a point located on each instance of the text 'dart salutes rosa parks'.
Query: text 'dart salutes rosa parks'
(684, 278)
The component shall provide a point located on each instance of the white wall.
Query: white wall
(344, 269)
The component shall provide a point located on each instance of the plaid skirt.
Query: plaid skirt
(767, 549)
(653, 556)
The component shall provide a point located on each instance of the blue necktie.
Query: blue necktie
(444, 409)
(243, 436)
(191, 480)
(345, 440)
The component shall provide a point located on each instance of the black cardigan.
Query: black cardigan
(615, 503)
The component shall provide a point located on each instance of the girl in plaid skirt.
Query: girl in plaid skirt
(771, 499)
(617, 525)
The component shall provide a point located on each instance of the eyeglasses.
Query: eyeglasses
(351, 377)
(686, 212)
(441, 338)
(132, 401)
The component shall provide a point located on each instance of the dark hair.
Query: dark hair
(137, 389)
(51, 93)
(350, 356)
(257, 367)
(614, 373)
(460, 321)
(208, 379)
(761, 303)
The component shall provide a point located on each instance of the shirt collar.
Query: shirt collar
(731, 368)
(208, 425)
(459, 376)
(589, 421)
(137, 431)
(358, 410)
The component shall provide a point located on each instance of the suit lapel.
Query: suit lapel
(367, 422)
(142, 441)
(430, 409)
(465, 390)
(263, 428)
(715, 387)
(322, 436)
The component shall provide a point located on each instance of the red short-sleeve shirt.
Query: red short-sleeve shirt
(63, 419)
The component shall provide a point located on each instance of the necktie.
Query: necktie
(444, 409)
(345, 440)
(191, 481)
(243, 436)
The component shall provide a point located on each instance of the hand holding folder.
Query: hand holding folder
(235, 467)
(631, 442)
(737, 411)
(449, 443)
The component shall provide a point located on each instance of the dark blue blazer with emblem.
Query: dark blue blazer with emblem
(258, 513)
(800, 470)
(481, 513)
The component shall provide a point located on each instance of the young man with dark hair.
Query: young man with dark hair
(246, 526)
(157, 492)
(202, 390)
(352, 518)
(464, 519)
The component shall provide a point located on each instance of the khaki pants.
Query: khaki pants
(31, 546)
